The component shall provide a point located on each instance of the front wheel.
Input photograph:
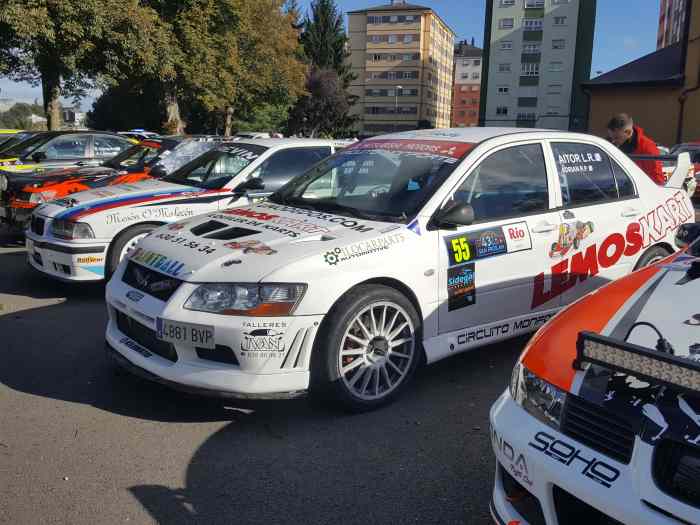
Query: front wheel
(368, 349)
(124, 243)
(651, 256)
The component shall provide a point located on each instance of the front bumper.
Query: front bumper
(66, 261)
(532, 454)
(247, 372)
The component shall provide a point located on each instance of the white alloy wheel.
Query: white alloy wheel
(130, 245)
(377, 350)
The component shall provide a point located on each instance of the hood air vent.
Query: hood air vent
(231, 233)
(207, 227)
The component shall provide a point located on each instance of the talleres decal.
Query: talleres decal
(362, 248)
(648, 229)
(157, 261)
(251, 246)
(461, 289)
(570, 236)
(263, 340)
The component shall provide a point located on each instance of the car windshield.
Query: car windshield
(138, 155)
(376, 179)
(215, 169)
(186, 151)
(25, 147)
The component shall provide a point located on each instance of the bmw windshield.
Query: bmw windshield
(215, 169)
(376, 179)
(25, 147)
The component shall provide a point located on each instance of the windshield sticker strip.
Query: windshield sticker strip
(441, 148)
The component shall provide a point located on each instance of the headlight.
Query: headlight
(539, 398)
(3, 182)
(71, 230)
(265, 300)
(43, 196)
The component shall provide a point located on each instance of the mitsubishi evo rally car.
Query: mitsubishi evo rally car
(601, 423)
(406, 247)
(83, 236)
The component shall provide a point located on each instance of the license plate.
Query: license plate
(185, 333)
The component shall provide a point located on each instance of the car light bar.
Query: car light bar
(643, 363)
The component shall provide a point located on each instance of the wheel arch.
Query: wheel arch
(664, 245)
(127, 228)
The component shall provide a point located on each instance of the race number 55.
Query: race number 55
(461, 250)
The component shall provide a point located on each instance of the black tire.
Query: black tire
(652, 255)
(120, 242)
(328, 384)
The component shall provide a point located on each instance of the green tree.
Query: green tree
(264, 117)
(127, 105)
(324, 40)
(18, 116)
(67, 46)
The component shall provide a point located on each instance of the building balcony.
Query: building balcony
(531, 58)
(529, 81)
(532, 35)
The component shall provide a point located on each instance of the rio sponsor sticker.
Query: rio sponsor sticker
(488, 242)
(461, 289)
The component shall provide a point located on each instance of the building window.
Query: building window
(532, 24)
(462, 113)
(559, 20)
(504, 68)
(464, 88)
(554, 89)
(531, 48)
(475, 76)
(391, 75)
(393, 19)
(530, 69)
(465, 75)
(558, 2)
(507, 3)
(475, 88)
(534, 3)
(477, 62)
(506, 45)
(552, 110)
(505, 23)
(501, 110)
(558, 43)
(556, 66)
(392, 39)
(409, 19)
(475, 101)
(465, 62)
(407, 39)
(503, 90)
(527, 116)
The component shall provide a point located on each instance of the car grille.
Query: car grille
(597, 428)
(150, 282)
(570, 509)
(145, 337)
(676, 469)
(37, 225)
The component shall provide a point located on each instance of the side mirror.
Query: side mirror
(456, 213)
(686, 234)
(157, 172)
(38, 156)
(254, 184)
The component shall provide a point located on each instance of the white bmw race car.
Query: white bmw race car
(402, 248)
(601, 423)
(84, 236)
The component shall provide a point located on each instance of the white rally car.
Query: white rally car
(601, 423)
(402, 248)
(84, 236)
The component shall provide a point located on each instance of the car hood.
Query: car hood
(90, 201)
(247, 243)
(17, 181)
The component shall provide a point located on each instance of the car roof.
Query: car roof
(472, 135)
(286, 142)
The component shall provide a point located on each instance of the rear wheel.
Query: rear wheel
(369, 348)
(124, 243)
(651, 256)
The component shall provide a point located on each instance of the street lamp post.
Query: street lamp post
(396, 106)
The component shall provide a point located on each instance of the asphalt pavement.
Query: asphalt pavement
(82, 444)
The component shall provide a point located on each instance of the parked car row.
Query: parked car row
(272, 268)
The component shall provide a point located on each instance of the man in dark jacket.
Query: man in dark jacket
(631, 139)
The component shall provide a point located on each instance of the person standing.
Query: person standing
(631, 139)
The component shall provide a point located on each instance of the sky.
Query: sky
(625, 30)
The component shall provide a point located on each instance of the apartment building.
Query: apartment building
(401, 55)
(537, 53)
(672, 16)
(466, 91)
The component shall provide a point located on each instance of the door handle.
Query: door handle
(629, 212)
(544, 227)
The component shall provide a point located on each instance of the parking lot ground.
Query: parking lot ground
(80, 444)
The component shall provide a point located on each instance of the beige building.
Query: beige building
(402, 56)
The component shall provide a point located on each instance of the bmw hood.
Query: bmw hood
(247, 243)
(666, 306)
(17, 181)
(91, 201)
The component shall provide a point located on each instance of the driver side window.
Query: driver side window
(508, 183)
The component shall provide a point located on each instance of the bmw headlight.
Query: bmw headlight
(71, 230)
(264, 300)
(3, 182)
(539, 398)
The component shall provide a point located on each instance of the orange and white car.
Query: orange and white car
(601, 423)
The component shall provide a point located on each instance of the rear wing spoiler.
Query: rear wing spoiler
(683, 170)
